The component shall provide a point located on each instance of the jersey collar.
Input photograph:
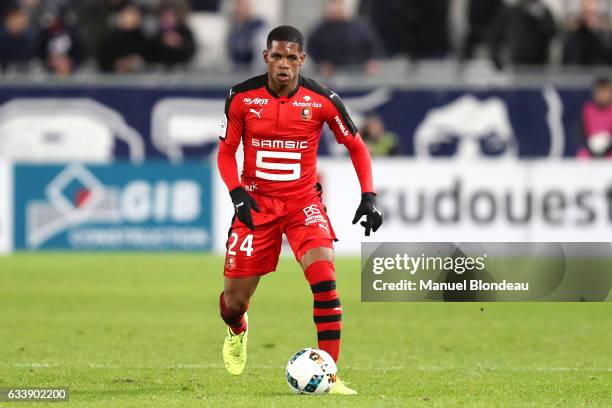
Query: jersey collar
(275, 95)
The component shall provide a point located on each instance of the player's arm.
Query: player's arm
(229, 139)
(347, 134)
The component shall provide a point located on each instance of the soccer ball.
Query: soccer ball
(311, 371)
(599, 142)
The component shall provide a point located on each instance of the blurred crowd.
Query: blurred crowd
(133, 35)
(127, 36)
(119, 35)
(508, 32)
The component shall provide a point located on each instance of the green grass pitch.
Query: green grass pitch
(143, 330)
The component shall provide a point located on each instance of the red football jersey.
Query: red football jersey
(281, 134)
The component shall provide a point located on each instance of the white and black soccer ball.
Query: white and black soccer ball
(311, 371)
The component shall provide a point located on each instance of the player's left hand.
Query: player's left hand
(367, 207)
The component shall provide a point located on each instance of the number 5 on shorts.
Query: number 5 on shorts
(245, 246)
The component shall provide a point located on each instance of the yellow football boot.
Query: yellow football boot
(340, 388)
(235, 350)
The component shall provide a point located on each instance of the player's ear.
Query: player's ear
(266, 54)
(302, 58)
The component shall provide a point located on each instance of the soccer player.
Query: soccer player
(278, 117)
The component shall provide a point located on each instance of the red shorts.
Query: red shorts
(255, 252)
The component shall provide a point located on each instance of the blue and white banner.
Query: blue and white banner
(116, 207)
(99, 124)
(6, 201)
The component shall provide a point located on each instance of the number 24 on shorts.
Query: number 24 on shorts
(245, 246)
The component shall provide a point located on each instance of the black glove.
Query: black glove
(243, 203)
(367, 207)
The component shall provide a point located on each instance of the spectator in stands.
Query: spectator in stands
(341, 42)
(205, 5)
(17, 38)
(38, 9)
(388, 19)
(126, 48)
(595, 135)
(588, 40)
(94, 17)
(429, 22)
(174, 43)
(418, 28)
(60, 46)
(523, 33)
(380, 142)
(246, 35)
(480, 14)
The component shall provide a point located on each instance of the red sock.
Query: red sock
(234, 320)
(327, 314)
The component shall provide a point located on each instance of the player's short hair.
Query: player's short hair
(285, 33)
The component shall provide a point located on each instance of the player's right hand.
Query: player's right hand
(243, 203)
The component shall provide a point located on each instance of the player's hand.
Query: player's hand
(367, 207)
(243, 203)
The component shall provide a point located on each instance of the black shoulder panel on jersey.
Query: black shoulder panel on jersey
(248, 85)
(316, 87)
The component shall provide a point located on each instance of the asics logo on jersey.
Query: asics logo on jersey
(255, 101)
(258, 113)
(280, 144)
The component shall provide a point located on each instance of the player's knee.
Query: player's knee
(236, 303)
(315, 255)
